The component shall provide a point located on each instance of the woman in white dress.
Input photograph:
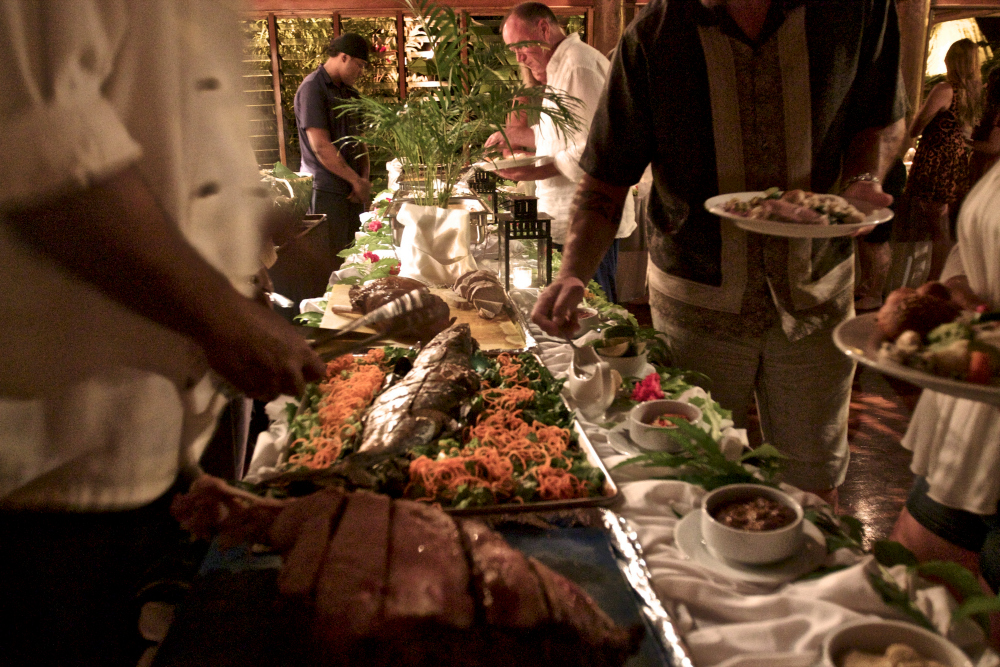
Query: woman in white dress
(951, 513)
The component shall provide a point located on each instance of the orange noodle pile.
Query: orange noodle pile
(500, 443)
(347, 393)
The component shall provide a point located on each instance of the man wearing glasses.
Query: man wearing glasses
(339, 166)
(570, 66)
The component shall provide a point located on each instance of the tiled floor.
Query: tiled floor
(879, 477)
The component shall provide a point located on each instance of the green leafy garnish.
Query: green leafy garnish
(701, 461)
(974, 602)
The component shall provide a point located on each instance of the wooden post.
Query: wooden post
(607, 24)
(914, 31)
(401, 53)
(337, 27)
(463, 27)
(272, 37)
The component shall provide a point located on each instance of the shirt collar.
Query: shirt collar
(559, 53)
(324, 76)
(717, 16)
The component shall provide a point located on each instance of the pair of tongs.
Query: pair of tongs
(328, 344)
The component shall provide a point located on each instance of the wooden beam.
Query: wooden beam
(607, 25)
(914, 28)
(463, 27)
(362, 7)
(992, 5)
(401, 53)
(272, 37)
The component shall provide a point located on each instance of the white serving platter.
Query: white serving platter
(860, 339)
(512, 162)
(716, 206)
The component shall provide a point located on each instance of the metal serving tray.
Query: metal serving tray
(608, 498)
(594, 548)
(610, 493)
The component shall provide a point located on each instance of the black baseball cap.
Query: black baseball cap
(350, 43)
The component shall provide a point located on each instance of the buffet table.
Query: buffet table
(719, 615)
(724, 618)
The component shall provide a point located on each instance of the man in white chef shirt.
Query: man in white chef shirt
(130, 213)
(574, 68)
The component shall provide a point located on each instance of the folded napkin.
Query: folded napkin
(435, 244)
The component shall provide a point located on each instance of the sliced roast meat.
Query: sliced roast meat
(487, 291)
(303, 561)
(351, 587)
(506, 584)
(466, 279)
(369, 296)
(483, 290)
(422, 324)
(428, 575)
(288, 524)
(379, 582)
(571, 607)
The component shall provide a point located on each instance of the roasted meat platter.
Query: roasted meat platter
(477, 300)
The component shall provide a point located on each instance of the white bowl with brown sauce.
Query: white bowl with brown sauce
(648, 434)
(751, 524)
(851, 643)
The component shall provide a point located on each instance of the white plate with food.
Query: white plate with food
(687, 535)
(512, 162)
(860, 339)
(816, 216)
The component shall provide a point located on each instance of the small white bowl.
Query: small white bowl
(658, 438)
(753, 547)
(627, 366)
(876, 635)
(587, 320)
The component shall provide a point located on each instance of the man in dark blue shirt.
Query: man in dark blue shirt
(339, 165)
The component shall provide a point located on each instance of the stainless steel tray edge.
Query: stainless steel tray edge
(633, 567)
(610, 496)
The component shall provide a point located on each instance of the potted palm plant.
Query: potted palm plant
(439, 130)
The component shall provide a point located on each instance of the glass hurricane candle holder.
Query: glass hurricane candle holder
(524, 223)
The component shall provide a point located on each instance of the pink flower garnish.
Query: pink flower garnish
(394, 271)
(648, 388)
(371, 257)
(374, 226)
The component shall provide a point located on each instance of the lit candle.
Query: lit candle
(522, 277)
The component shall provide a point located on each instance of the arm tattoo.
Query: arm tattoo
(595, 205)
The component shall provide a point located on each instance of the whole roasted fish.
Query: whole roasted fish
(419, 407)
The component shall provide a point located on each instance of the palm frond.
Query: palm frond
(443, 128)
